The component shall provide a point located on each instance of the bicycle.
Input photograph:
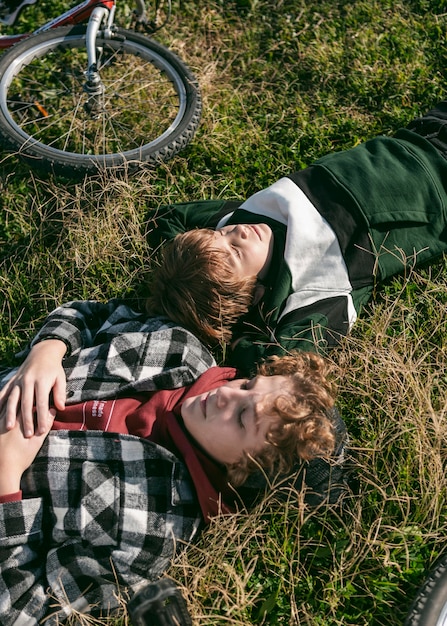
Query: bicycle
(80, 94)
(429, 608)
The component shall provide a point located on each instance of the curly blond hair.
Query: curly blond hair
(195, 287)
(301, 428)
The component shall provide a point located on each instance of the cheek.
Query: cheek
(224, 445)
(262, 253)
(189, 413)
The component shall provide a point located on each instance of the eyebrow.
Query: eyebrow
(256, 411)
(233, 256)
(257, 416)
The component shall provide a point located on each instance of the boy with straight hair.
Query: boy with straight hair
(305, 254)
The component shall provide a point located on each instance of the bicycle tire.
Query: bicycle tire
(430, 605)
(151, 108)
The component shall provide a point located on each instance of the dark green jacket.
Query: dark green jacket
(385, 201)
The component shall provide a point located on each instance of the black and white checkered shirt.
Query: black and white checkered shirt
(113, 350)
(101, 512)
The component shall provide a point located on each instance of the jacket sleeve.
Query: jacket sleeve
(75, 323)
(113, 349)
(154, 356)
(22, 569)
(178, 218)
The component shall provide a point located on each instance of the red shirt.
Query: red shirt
(156, 417)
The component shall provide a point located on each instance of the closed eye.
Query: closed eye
(248, 383)
(237, 251)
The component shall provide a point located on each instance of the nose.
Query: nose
(242, 231)
(237, 230)
(222, 396)
(226, 396)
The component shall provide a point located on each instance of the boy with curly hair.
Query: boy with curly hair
(96, 502)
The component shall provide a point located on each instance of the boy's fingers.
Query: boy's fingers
(4, 393)
(12, 407)
(44, 425)
(42, 409)
(45, 422)
(42, 412)
(27, 411)
(60, 393)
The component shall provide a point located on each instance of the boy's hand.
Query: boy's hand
(17, 453)
(28, 391)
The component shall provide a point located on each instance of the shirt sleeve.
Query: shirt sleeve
(22, 570)
(75, 323)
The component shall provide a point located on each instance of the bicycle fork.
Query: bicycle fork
(93, 85)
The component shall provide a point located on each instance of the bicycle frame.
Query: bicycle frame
(97, 12)
(73, 16)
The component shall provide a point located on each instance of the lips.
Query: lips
(256, 230)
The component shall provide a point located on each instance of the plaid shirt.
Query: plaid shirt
(101, 511)
(103, 515)
(104, 511)
(113, 350)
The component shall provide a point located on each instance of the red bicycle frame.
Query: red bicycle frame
(78, 14)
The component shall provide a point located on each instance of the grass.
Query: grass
(364, 564)
(283, 83)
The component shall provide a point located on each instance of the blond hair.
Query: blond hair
(301, 428)
(195, 287)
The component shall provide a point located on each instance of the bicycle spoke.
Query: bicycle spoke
(143, 100)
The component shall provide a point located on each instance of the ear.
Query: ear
(258, 293)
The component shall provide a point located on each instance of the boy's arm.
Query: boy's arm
(16, 454)
(178, 218)
(76, 323)
(22, 569)
(67, 330)
(146, 355)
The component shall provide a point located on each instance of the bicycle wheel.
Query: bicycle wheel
(150, 109)
(430, 606)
